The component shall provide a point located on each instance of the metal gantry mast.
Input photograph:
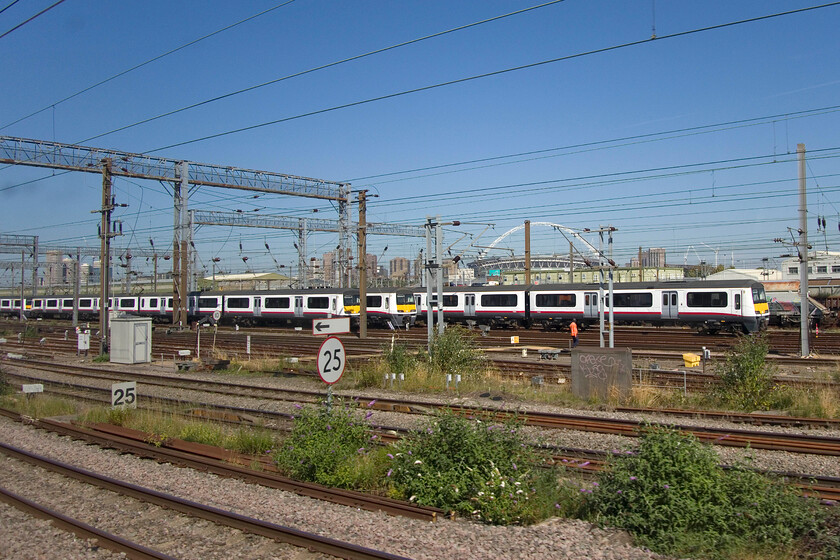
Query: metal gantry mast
(303, 227)
(182, 174)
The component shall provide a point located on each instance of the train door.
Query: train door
(590, 305)
(257, 306)
(469, 305)
(298, 306)
(738, 303)
(670, 305)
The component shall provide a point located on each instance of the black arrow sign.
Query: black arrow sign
(320, 326)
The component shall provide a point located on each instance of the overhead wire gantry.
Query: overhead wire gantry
(181, 174)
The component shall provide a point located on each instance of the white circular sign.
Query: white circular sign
(217, 315)
(331, 360)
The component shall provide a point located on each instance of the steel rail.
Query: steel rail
(223, 463)
(243, 523)
(132, 550)
(631, 428)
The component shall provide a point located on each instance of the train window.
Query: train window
(555, 300)
(6, 303)
(127, 302)
(278, 303)
(240, 302)
(706, 299)
(374, 301)
(450, 301)
(153, 302)
(351, 299)
(639, 299)
(758, 294)
(673, 300)
(208, 303)
(318, 302)
(85, 303)
(17, 303)
(405, 299)
(498, 300)
(169, 302)
(67, 303)
(737, 301)
(52, 303)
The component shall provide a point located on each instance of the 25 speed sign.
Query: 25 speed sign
(331, 360)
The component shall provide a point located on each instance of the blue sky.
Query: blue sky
(686, 142)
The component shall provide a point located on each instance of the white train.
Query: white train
(710, 306)
(279, 307)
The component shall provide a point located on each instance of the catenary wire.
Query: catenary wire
(9, 6)
(492, 74)
(42, 12)
(142, 64)
(317, 68)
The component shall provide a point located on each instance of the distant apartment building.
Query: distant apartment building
(400, 267)
(653, 258)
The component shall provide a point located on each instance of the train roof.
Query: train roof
(671, 284)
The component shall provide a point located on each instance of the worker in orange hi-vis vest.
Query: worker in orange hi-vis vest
(574, 330)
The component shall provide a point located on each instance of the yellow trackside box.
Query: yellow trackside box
(691, 360)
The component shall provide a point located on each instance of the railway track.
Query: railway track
(735, 438)
(301, 350)
(243, 523)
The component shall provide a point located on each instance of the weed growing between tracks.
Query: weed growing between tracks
(37, 405)
(333, 446)
(453, 353)
(162, 426)
(5, 386)
(672, 495)
(482, 470)
(746, 377)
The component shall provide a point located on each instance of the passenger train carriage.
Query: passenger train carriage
(709, 306)
(383, 306)
(283, 307)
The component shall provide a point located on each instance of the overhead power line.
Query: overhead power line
(732, 163)
(317, 68)
(18, 26)
(490, 74)
(153, 59)
(610, 143)
(9, 6)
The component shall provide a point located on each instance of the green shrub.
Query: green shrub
(5, 387)
(456, 352)
(399, 358)
(324, 446)
(675, 499)
(746, 379)
(479, 469)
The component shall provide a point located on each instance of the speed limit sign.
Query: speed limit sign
(331, 360)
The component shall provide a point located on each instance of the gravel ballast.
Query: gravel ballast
(556, 538)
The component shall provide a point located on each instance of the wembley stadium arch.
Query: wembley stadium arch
(583, 253)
